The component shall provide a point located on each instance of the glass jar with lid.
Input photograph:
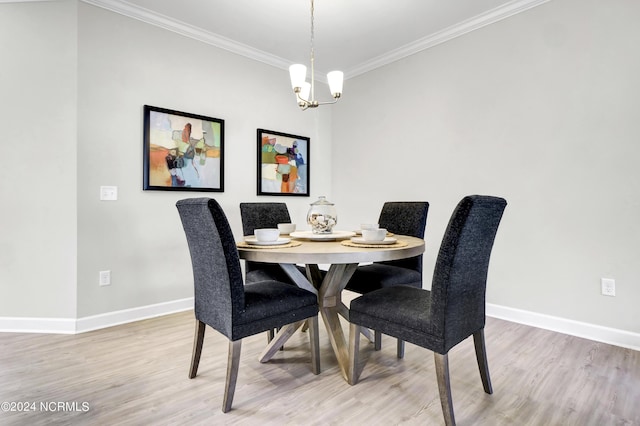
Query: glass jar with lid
(322, 216)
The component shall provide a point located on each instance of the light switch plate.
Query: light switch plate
(108, 193)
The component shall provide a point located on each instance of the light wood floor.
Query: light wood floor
(136, 374)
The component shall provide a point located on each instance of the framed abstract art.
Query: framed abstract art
(283, 164)
(182, 151)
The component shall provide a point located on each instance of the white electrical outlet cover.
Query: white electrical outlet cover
(608, 286)
(105, 278)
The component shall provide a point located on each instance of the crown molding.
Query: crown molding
(457, 30)
(127, 9)
(187, 30)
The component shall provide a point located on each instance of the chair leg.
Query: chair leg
(400, 348)
(377, 344)
(233, 362)
(354, 349)
(444, 387)
(481, 356)
(198, 339)
(314, 340)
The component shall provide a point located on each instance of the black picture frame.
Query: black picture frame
(283, 164)
(182, 151)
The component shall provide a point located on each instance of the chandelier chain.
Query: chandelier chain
(313, 97)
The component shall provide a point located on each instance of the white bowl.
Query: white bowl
(266, 234)
(364, 226)
(286, 228)
(374, 234)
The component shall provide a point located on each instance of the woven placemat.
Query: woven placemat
(397, 244)
(255, 246)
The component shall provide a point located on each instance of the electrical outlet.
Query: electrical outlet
(608, 286)
(105, 278)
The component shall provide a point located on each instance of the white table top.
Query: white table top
(333, 252)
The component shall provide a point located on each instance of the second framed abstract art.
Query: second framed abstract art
(283, 163)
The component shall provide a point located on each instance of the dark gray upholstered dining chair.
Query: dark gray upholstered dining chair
(223, 302)
(398, 217)
(263, 215)
(453, 310)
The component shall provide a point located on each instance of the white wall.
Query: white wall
(38, 172)
(74, 81)
(124, 64)
(542, 109)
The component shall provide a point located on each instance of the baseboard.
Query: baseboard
(37, 325)
(625, 339)
(110, 319)
(95, 322)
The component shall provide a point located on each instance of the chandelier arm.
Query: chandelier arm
(302, 102)
(328, 102)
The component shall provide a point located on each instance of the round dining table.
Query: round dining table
(343, 257)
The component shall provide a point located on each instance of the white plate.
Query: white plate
(386, 241)
(278, 242)
(335, 235)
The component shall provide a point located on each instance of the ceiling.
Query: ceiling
(354, 36)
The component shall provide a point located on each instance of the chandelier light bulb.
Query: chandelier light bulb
(298, 74)
(335, 79)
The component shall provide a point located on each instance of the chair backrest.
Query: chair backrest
(460, 274)
(405, 218)
(262, 215)
(217, 277)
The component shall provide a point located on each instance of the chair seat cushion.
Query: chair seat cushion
(372, 311)
(368, 278)
(272, 304)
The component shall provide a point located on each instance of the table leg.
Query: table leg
(283, 335)
(314, 275)
(297, 277)
(331, 307)
(367, 333)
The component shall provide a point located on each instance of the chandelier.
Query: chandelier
(305, 92)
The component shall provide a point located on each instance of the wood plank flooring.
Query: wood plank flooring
(136, 374)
